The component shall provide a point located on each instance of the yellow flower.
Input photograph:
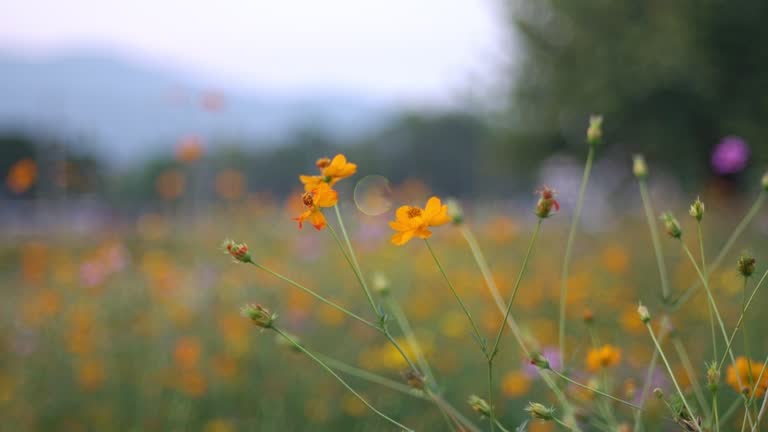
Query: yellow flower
(747, 375)
(603, 357)
(331, 171)
(314, 200)
(414, 221)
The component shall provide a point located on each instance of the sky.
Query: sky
(412, 50)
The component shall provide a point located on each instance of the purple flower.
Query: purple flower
(730, 155)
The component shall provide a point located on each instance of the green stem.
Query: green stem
(562, 423)
(709, 307)
(477, 254)
(371, 377)
(744, 332)
(352, 265)
(490, 393)
(686, 361)
(569, 248)
(478, 335)
(341, 380)
(730, 411)
(741, 320)
(405, 326)
(453, 412)
(726, 248)
(649, 215)
(501, 426)
(399, 349)
(516, 287)
(317, 296)
(716, 421)
(355, 265)
(594, 390)
(671, 374)
(649, 373)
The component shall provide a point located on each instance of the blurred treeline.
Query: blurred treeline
(671, 78)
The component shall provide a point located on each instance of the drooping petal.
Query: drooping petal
(398, 226)
(401, 238)
(317, 219)
(423, 233)
(302, 217)
(324, 196)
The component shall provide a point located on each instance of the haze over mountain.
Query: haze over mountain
(124, 110)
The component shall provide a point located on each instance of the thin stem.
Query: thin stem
(317, 296)
(649, 215)
(562, 423)
(511, 323)
(744, 331)
(399, 349)
(671, 374)
(726, 247)
(730, 411)
(341, 380)
(716, 421)
(352, 265)
(405, 326)
(520, 275)
(501, 426)
(371, 377)
(478, 335)
(490, 393)
(741, 320)
(453, 412)
(594, 390)
(709, 307)
(686, 361)
(649, 373)
(354, 260)
(765, 400)
(569, 248)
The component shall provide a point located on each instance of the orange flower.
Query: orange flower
(22, 176)
(414, 221)
(747, 375)
(331, 171)
(603, 357)
(314, 200)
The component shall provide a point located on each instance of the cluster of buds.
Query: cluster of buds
(479, 405)
(539, 411)
(546, 203)
(746, 265)
(238, 251)
(713, 376)
(671, 225)
(697, 209)
(595, 130)
(455, 212)
(645, 316)
(639, 168)
(414, 379)
(538, 360)
(259, 315)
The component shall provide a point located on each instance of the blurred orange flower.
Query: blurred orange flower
(22, 176)
(189, 149)
(187, 352)
(321, 196)
(230, 184)
(747, 375)
(414, 221)
(170, 184)
(331, 171)
(603, 357)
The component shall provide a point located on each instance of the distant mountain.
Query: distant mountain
(124, 110)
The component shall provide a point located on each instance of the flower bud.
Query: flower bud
(595, 130)
(764, 182)
(259, 315)
(455, 212)
(639, 168)
(645, 316)
(414, 379)
(479, 405)
(588, 317)
(538, 359)
(238, 251)
(539, 411)
(380, 284)
(746, 265)
(713, 376)
(671, 225)
(697, 209)
(658, 393)
(323, 163)
(546, 203)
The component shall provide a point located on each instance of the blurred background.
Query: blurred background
(134, 136)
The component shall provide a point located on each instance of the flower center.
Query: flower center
(414, 212)
(307, 199)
